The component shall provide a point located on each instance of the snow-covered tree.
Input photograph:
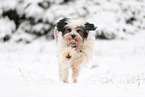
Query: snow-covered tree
(27, 20)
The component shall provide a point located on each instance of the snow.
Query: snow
(7, 27)
(116, 70)
(8, 5)
(32, 12)
(31, 70)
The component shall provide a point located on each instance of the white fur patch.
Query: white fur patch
(74, 23)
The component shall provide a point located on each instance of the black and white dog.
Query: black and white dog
(75, 46)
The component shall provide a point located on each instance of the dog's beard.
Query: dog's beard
(73, 42)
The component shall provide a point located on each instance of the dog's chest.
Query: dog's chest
(76, 47)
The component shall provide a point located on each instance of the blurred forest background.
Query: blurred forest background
(27, 20)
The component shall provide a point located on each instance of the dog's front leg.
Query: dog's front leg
(65, 59)
(63, 73)
(76, 65)
(75, 72)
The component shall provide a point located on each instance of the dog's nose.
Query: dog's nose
(73, 35)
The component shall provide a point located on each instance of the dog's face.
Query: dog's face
(74, 31)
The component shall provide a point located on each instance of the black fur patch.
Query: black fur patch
(89, 26)
(61, 24)
(84, 32)
(86, 28)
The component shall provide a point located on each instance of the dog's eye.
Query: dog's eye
(78, 30)
(69, 30)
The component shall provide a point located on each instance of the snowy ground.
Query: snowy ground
(117, 70)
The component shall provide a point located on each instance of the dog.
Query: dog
(75, 46)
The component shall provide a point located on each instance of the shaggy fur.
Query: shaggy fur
(73, 52)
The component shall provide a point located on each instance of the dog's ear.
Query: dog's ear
(61, 24)
(90, 27)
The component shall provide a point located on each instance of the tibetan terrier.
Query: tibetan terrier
(75, 46)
